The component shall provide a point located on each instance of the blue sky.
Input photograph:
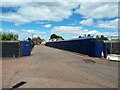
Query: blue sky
(67, 19)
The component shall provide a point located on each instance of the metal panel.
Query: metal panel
(10, 49)
(26, 49)
(84, 46)
(113, 47)
(97, 48)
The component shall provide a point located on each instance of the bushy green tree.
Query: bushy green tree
(102, 37)
(80, 37)
(97, 37)
(8, 36)
(0, 36)
(16, 37)
(88, 35)
(54, 36)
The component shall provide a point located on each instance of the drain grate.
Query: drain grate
(89, 61)
(18, 85)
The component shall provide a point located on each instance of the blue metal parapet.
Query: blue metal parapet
(86, 46)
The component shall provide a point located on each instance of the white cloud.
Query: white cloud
(9, 30)
(60, 1)
(12, 4)
(48, 25)
(34, 11)
(57, 11)
(74, 30)
(47, 11)
(11, 17)
(41, 22)
(28, 33)
(33, 31)
(87, 22)
(98, 9)
(1, 29)
(111, 24)
(66, 30)
(77, 30)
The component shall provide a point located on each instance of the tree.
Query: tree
(101, 37)
(97, 37)
(88, 35)
(29, 39)
(0, 36)
(62, 38)
(54, 36)
(8, 36)
(79, 37)
(15, 37)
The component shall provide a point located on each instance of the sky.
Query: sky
(66, 19)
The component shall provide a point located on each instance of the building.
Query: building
(36, 40)
(43, 42)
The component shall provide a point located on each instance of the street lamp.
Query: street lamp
(32, 36)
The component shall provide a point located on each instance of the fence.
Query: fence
(113, 47)
(86, 46)
(11, 49)
(16, 48)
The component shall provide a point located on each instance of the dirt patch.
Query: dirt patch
(89, 61)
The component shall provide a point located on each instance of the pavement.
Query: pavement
(54, 68)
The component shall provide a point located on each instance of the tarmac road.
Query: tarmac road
(53, 68)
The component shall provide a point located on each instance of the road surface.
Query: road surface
(53, 68)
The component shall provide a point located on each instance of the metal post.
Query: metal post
(111, 46)
(32, 36)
